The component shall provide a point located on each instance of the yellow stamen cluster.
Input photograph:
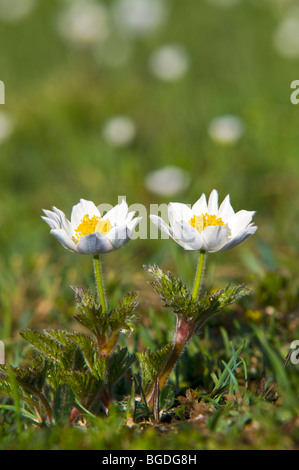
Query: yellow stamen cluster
(200, 222)
(90, 225)
(103, 226)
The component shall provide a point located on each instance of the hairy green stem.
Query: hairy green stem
(184, 332)
(199, 275)
(99, 281)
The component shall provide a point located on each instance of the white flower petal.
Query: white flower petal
(81, 209)
(132, 225)
(200, 207)
(239, 222)
(187, 236)
(51, 221)
(94, 244)
(214, 237)
(178, 211)
(213, 202)
(117, 215)
(226, 211)
(52, 215)
(159, 222)
(130, 217)
(64, 222)
(64, 239)
(118, 236)
(238, 238)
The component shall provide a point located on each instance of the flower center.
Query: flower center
(202, 221)
(90, 225)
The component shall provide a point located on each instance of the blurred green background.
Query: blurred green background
(170, 68)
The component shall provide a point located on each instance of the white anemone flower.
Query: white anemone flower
(84, 23)
(169, 62)
(88, 232)
(286, 38)
(139, 17)
(205, 226)
(227, 129)
(119, 131)
(167, 181)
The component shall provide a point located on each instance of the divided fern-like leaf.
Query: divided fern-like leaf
(119, 363)
(151, 363)
(122, 318)
(175, 295)
(83, 384)
(60, 350)
(90, 312)
(172, 291)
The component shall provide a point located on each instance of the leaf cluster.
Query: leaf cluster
(90, 365)
(175, 295)
(151, 363)
(119, 319)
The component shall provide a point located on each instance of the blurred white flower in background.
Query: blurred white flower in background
(15, 10)
(83, 22)
(167, 181)
(170, 62)
(140, 17)
(119, 131)
(286, 36)
(226, 129)
(223, 3)
(6, 126)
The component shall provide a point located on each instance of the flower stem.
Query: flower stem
(199, 275)
(184, 332)
(99, 281)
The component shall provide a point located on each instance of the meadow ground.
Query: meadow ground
(64, 86)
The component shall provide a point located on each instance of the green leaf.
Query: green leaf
(90, 311)
(180, 411)
(88, 347)
(119, 319)
(63, 404)
(60, 350)
(282, 378)
(83, 384)
(131, 404)
(172, 291)
(122, 318)
(26, 414)
(151, 363)
(176, 296)
(26, 386)
(167, 398)
(228, 372)
(119, 363)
